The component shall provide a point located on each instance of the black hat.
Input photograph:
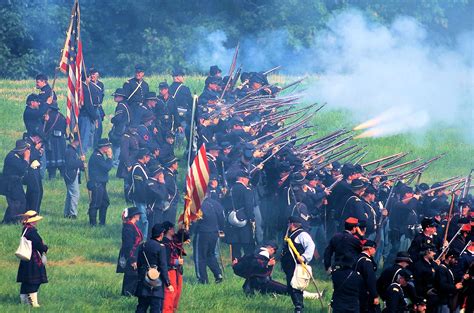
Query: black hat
(362, 224)
(212, 146)
(170, 134)
(243, 173)
(370, 190)
(244, 76)
(212, 80)
(357, 184)
(464, 202)
(295, 219)
(41, 77)
(163, 85)
(119, 92)
(151, 96)
(405, 274)
(312, 176)
(226, 145)
(270, 243)
(32, 97)
(214, 69)
(298, 179)
(369, 244)
(427, 247)
(336, 165)
(403, 190)
(157, 230)
(170, 160)
(403, 256)
(167, 225)
(258, 78)
(347, 169)
(178, 72)
(132, 211)
(104, 142)
(436, 185)
(142, 153)
(92, 70)
(156, 170)
(139, 68)
(428, 222)
(21, 145)
(358, 169)
(422, 187)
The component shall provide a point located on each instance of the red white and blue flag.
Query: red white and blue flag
(72, 64)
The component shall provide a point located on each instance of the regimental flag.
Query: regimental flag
(71, 64)
(197, 180)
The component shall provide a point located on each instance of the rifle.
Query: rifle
(467, 184)
(271, 70)
(231, 71)
(449, 244)
(381, 159)
(291, 84)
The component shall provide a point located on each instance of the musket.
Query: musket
(356, 159)
(344, 153)
(338, 179)
(381, 159)
(388, 163)
(465, 247)
(449, 179)
(401, 165)
(284, 131)
(272, 154)
(271, 70)
(231, 70)
(467, 183)
(439, 188)
(283, 115)
(291, 84)
(449, 244)
(323, 139)
(235, 79)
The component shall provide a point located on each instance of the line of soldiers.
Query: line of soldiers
(258, 183)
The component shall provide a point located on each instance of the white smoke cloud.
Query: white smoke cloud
(370, 69)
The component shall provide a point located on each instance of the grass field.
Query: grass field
(82, 260)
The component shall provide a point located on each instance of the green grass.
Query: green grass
(82, 260)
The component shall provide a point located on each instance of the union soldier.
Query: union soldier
(15, 167)
(88, 116)
(173, 243)
(136, 89)
(46, 94)
(167, 147)
(157, 195)
(55, 135)
(354, 207)
(212, 155)
(305, 247)
(184, 101)
(138, 192)
(100, 163)
(241, 235)
(120, 121)
(210, 95)
(152, 254)
(33, 116)
(347, 284)
(446, 284)
(166, 112)
(170, 172)
(424, 272)
(396, 302)
(207, 232)
(368, 202)
(389, 274)
(33, 179)
(148, 108)
(128, 151)
(342, 244)
(132, 237)
(98, 92)
(366, 267)
(72, 177)
(427, 236)
(215, 71)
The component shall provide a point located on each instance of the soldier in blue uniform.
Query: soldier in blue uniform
(72, 177)
(152, 254)
(15, 167)
(138, 192)
(46, 94)
(166, 113)
(136, 89)
(120, 122)
(365, 265)
(55, 137)
(33, 116)
(129, 146)
(100, 163)
(157, 194)
(88, 115)
(98, 90)
(396, 302)
(427, 236)
(184, 101)
(170, 172)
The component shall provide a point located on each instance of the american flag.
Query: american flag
(197, 180)
(71, 64)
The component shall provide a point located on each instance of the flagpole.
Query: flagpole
(191, 131)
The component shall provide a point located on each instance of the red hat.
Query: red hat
(466, 227)
(352, 220)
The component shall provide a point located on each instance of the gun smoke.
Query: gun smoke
(370, 69)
